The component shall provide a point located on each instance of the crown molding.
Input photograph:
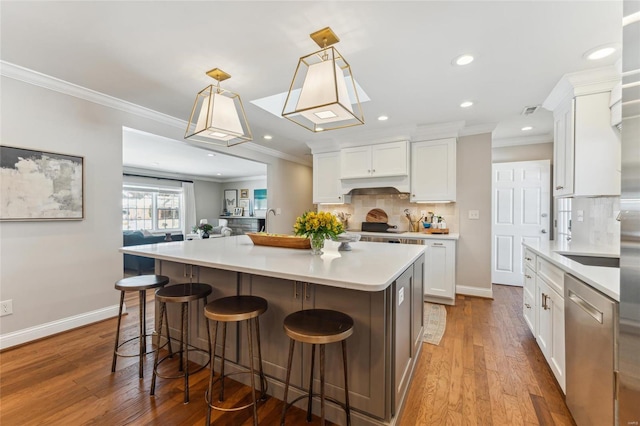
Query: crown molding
(437, 131)
(582, 83)
(477, 129)
(26, 75)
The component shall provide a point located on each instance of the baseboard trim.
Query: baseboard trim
(475, 291)
(26, 335)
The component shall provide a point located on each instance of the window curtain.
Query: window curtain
(189, 207)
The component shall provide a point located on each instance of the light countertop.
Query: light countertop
(604, 279)
(408, 235)
(368, 267)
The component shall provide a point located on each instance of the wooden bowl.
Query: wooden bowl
(279, 240)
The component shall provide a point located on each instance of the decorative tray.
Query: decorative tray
(279, 240)
(436, 231)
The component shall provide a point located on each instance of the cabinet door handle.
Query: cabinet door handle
(527, 276)
(544, 231)
(368, 170)
(438, 244)
(543, 300)
(528, 259)
(528, 306)
(307, 293)
(374, 170)
(295, 290)
(559, 187)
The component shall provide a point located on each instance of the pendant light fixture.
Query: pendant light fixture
(218, 115)
(323, 93)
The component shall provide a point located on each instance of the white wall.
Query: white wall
(61, 274)
(473, 262)
(248, 184)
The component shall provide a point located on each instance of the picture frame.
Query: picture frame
(40, 185)
(244, 203)
(244, 193)
(230, 199)
(237, 211)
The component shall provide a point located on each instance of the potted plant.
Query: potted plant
(204, 229)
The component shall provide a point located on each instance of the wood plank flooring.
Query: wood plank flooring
(487, 370)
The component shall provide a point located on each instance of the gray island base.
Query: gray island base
(379, 285)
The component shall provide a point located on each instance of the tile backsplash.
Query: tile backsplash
(599, 225)
(394, 205)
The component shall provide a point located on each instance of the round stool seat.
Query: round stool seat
(182, 293)
(235, 308)
(141, 282)
(318, 326)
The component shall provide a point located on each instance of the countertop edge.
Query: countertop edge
(592, 275)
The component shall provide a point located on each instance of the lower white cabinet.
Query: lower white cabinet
(440, 270)
(543, 311)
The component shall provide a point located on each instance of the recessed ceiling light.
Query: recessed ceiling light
(466, 104)
(526, 128)
(319, 129)
(211, 155)
(383, 118)
(218, 174)
(600, 52)
(465, 59)
(267, 137)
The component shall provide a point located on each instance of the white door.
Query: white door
(520, 213)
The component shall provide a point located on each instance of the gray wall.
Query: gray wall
(473, 267)
(531, 152)
(208, 200)
(60, 274)
(250, 185)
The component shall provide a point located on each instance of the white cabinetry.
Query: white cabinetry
(543, 309)
(433, 170)
(440, 271)
(382, 160)
(327, 187)
(586, 146)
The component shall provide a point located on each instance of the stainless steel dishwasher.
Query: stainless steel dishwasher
(590, 353)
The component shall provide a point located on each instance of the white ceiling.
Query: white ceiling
(155, 54)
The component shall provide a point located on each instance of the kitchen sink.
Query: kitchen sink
(612, 262)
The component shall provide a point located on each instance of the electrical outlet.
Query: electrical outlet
(6, 307)
(423, 213)
(474, 214)
(278, 211)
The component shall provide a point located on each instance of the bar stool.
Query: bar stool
(236, 309)
(183, 294)
(141, 284)
(318, 327)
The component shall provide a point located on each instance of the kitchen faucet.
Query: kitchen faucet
(266, 219)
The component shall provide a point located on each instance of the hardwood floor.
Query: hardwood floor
(487, 370)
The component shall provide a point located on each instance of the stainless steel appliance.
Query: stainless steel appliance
(590, 330)
(629, 322)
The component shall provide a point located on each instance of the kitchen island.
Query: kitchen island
(379, 285)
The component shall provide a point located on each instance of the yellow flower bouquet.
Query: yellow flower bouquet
(318, 226)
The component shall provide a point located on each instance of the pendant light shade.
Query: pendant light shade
(218, 115)
(323, 92)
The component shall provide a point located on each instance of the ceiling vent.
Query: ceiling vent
(530, 110)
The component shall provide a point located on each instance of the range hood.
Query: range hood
(376, 191)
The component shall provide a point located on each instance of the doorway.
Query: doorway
(520, 200)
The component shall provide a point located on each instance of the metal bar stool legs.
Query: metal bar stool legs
(183, 294)
(140, 284)
(317, 327)
(236, 309)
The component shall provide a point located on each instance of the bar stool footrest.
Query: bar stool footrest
(155, 348)
(164, 358)
(220, 378)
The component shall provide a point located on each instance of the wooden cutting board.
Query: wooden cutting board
(377, 216)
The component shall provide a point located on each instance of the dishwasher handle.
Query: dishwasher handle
(587, 307)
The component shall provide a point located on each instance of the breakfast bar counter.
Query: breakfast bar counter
(379, 285)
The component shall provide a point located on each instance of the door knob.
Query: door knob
(544, 231)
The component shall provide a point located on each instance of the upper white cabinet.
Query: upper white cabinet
(586, 146)
(433, 170)
(326, 179)
(382, 160)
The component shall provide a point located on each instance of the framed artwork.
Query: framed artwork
(39, 185)
(244, 193)
(230, 199)
(244, 203)
(237, 211)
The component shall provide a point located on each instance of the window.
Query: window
(563, 221)
(154, 209)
